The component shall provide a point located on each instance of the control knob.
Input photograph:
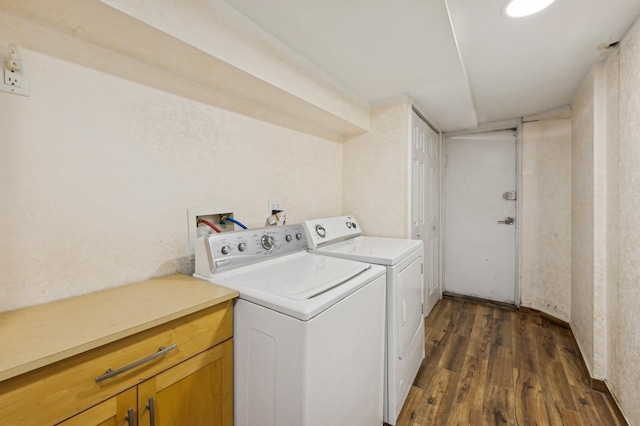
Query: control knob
(225, 250)
(288, 238)
(299, 236)
(242, 246)
(321, 231)
(267, 242)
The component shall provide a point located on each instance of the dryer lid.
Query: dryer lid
(378, 250)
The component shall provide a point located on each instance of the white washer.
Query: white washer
(308, 329)
(403, 259)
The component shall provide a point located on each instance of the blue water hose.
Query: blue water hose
(232, 220)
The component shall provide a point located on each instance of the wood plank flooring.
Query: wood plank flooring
(489, 365)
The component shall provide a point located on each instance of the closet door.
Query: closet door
(425, 203)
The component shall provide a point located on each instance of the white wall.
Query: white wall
(376, 173)
(582, 218)
(605, 222)
(215, 27)
(202, 49)
(546, 216)
(97, 173)
(624, 339)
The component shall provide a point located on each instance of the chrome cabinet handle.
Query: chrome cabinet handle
(112, 373)
(152, 412)
(130, 417)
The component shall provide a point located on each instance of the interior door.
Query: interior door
(425, 220)
(433, 287)
(480, 228)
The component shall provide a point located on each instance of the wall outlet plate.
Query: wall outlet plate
(274, 204)
(16, 82)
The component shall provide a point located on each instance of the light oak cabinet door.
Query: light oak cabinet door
(198, 391)
(112, 412)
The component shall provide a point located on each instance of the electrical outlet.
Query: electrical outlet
(12, 78)
(274, 205)
(16, 82)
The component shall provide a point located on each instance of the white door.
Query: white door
(480, 228)
(425, 223)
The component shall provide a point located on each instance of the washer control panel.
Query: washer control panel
(320, 232)
(227, 250)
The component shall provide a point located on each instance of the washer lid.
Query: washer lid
(378, 250)
(301, 285)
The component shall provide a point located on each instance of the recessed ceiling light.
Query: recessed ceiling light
(520, 8)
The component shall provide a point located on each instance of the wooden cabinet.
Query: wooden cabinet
(114, 411)
(195, 392)
(176, 371)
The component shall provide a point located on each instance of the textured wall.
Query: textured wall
(376, 174)
(214, 27)
(546, 217)
(582, 125)
(97, 173)
(599, 222)
(612, 222)
(625, 341)
(614, 314)
(606, 228)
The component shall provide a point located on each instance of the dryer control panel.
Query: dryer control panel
(321, 232)
(227, 250)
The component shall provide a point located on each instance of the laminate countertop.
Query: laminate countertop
(40, 335)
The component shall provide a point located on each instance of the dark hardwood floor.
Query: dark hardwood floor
(490, 365)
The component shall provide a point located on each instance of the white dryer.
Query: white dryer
(308, 329)
(403, 259)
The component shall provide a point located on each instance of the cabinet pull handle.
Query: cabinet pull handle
(152, 412)
(112, 373)
(130, 416)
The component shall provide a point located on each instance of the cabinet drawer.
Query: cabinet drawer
(53, 393)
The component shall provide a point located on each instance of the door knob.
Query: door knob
(506, 221)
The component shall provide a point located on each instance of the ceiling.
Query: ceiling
(462, 61)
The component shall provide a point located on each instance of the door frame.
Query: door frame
(515, 124)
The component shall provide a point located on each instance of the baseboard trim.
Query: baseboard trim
(548, 317)
(596, 384)
(479, 300)
(600, 386)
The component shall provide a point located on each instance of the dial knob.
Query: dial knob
(288, 238)
(225, 250)
(349, 225)
(267, 242)
(242, 246)
(321, 231)
(298, 236)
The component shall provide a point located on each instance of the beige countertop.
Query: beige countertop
(33, 337)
